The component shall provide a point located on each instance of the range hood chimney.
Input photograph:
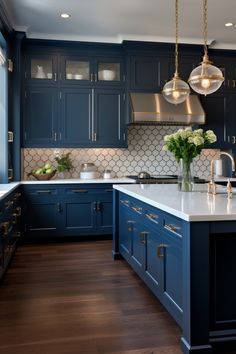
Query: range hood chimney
(152, 109)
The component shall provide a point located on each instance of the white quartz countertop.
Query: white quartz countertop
(197, 205)
(5, 189)
(81, 181)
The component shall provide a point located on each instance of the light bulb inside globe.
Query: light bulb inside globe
(176, 94)
(205, 83)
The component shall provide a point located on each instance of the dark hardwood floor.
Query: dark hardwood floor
(72, 298)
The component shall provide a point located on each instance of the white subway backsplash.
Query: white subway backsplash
(144, 153)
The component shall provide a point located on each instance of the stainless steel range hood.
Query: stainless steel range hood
(152, 108)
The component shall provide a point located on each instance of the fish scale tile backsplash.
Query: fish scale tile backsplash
(144, 153)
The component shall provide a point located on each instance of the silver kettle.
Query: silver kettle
(143, 175)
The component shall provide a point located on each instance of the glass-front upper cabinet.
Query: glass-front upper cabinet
(41, 67)
(91, 70)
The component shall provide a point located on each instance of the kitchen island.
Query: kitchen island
(183, 247)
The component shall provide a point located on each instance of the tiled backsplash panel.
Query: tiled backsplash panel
(144, 153)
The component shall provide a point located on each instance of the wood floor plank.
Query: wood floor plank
(72, 298)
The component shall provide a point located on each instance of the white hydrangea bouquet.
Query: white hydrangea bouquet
(186, 144)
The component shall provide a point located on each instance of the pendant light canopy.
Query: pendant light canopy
(206, 78)
(176, 91)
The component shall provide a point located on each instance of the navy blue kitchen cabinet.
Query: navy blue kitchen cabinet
(88, 209)
(220, 111)
(92, 117)
(40, 117)
(87, 70)
(42, 210)
(151, 242)
(68, 87)
(10, 227)
(76, 117)
(73, 210)
(147, 73)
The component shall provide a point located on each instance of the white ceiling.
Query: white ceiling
(117, 20)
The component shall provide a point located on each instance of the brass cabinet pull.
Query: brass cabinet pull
(108, 190)
(91, 77)
(42, 191)
(160, 250)
(98, 206)
(172, 228)
(95, 77)
(5, 226)
(143, 236)
(234, 140)
(125, 202)
(59, 207)
(79, 191)
(130, 225)
(152, 217)
(233, 81)
(8, 204)
(137, 209)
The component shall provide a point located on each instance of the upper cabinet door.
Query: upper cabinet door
(41, 117)
(147, 73)
(75, 70)
(76, 117)
(41, 69)
(109, 71)
(228, 68)
(109, 128)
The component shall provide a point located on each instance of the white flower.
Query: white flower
(165, 148)
(210, 136)
(167, 137)
(198, 131)
(198, 140)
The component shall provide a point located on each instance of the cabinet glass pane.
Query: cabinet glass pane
(41, 69)
(77, 70)
(109, 72)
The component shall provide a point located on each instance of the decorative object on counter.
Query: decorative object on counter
(43, 173)
(176, 91)
(205, 78)
(88, 171)
(64, 163)
(107, 174)
(40, 74)
(186, 144)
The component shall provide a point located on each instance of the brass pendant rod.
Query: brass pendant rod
(205, 25)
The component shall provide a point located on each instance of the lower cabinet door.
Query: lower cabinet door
(172, 275)
(125, 232)
(104, 216)
(80, 217)
(139, 244)
(154, 261)
(43, 218)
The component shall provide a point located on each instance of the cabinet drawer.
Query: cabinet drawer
(42, 191)
(82, 189)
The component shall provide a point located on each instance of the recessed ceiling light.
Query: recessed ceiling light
(65, 15)
(229, 24)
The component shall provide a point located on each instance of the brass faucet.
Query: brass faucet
(211, 185)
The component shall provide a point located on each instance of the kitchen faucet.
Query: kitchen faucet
(211, 185)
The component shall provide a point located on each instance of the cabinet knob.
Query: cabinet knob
(143, 237)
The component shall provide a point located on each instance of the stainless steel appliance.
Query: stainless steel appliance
(152, 108)
(161, 179)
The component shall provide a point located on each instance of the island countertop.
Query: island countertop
(197, 205)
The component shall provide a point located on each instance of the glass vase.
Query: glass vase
(185, 179)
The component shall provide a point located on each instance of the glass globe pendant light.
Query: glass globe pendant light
(206, 78)
(176, 90)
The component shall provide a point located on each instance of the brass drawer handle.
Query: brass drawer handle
(160, 250)
(152, 217)
(79, 191)
(172, 228)
(125, 202)
(137, 209)
(9, 203)
(46, 191)
(108, 190)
